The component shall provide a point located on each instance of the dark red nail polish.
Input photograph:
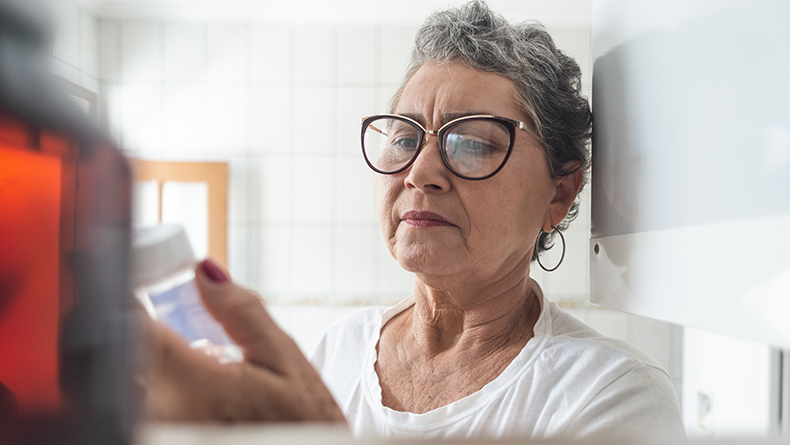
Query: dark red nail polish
(213, 272)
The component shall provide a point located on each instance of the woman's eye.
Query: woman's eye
(476, 147)
(405, 143)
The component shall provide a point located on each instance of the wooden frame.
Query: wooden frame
(215, 174)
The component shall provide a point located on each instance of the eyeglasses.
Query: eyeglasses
(472, 147)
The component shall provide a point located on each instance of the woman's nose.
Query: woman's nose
(428, 172)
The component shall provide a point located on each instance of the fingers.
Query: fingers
(173, 375)
(275, 382)
(244, 318)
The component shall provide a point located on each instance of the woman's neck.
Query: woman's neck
(487, 318)
(459, 338)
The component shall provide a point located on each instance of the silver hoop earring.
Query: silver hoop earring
(563, 251)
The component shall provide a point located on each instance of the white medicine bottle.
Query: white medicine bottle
(163, 279)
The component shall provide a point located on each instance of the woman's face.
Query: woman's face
(439, 225)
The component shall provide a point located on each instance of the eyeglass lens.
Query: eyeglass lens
(474, 148)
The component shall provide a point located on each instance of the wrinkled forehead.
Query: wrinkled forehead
(437, 92)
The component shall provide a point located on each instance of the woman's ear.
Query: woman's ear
(565, 191)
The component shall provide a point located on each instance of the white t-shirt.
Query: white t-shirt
(568, 381)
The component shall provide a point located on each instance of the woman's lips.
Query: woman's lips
(421, 218)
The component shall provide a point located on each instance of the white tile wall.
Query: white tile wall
(240, 188)
(228, 52)
(184, 52)
(314, 54)
(109, 51)
(314, 261)
(355, 260)
(271, 54)
(356, 192)
(356, 54)
(314, 119)
(242, 242)
(274, 268)
(271, 114)
(227, 115)
(273, 199)
(306, 323)
(142, 126)
(141, 51)
(353, 103)
(396, 44)
(394, 282)
(313, 190)
(185, 120)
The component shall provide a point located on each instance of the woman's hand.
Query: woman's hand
(275, 382)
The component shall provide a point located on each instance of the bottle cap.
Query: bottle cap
(159, 252)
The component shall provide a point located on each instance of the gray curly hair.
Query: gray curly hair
(548, 81)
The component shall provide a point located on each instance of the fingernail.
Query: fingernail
(213, 271)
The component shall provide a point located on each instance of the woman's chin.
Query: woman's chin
(421, 259)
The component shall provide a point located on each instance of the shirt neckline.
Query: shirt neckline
(466, 406)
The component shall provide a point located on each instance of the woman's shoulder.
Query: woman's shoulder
(613, 381)
(571, 337)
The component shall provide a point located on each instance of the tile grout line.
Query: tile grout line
(291, 233)
(333, 173)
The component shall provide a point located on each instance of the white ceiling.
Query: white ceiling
(551, 12)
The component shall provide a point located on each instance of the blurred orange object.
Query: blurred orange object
(30, 199)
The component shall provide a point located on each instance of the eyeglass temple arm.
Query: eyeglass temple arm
(376, 129)
(372, 126)
(523, 126)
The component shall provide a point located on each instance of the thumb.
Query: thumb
(243, 315)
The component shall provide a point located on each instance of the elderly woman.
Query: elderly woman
(480, 162)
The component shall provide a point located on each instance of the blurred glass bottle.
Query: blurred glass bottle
(163, 279)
